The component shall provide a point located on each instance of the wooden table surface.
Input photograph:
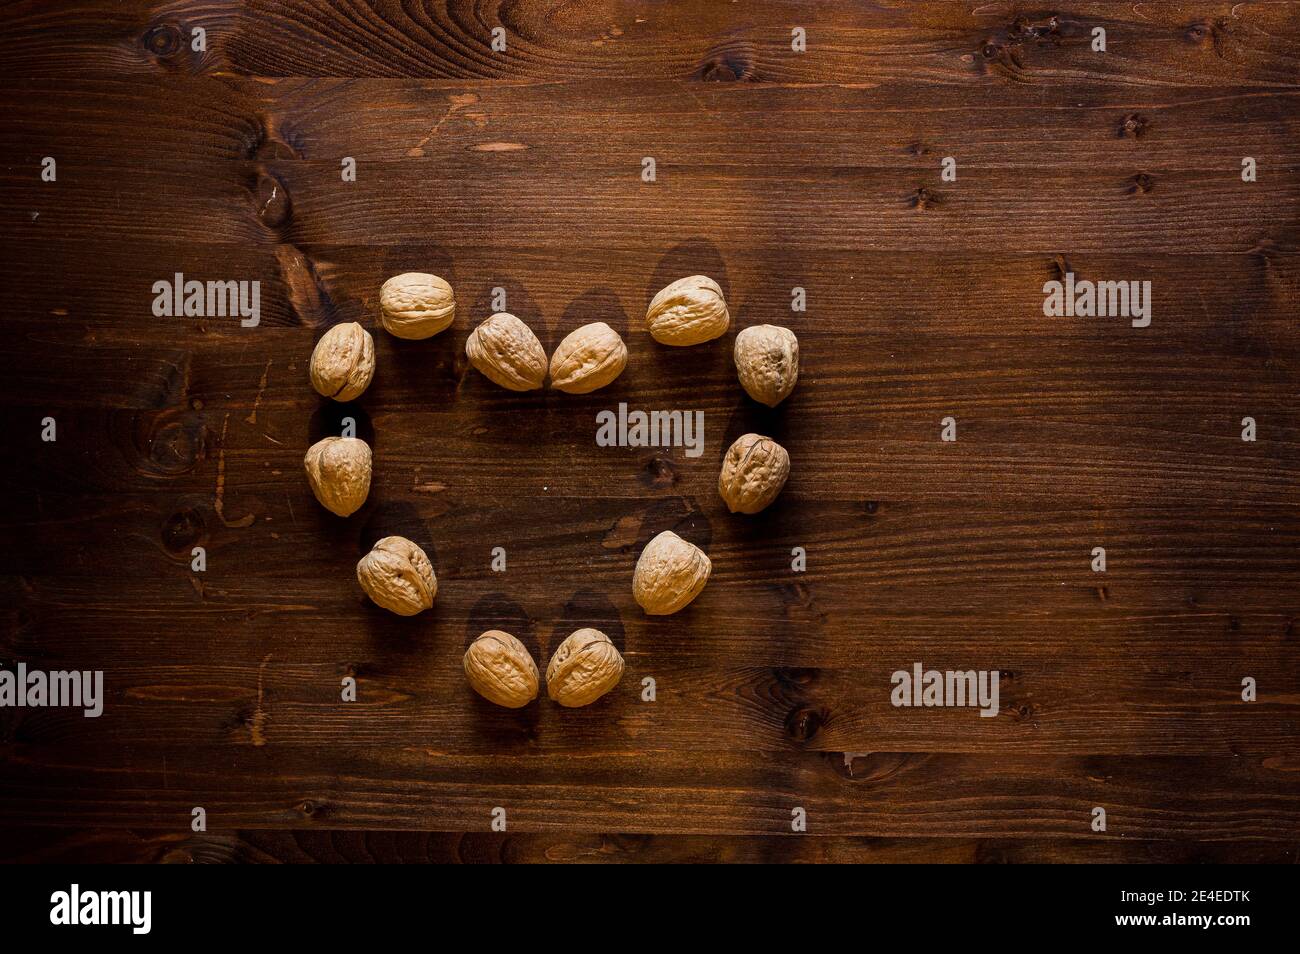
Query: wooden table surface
(522, 170)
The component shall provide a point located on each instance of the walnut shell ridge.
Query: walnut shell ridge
(754, 470)
(397, 575)
(669, 574)
(588, 359)
(343, 362)
(416, 305)
(500, 669)
(689, 311)
(338, 469)
(767, 362)
(584, 667)
(506, 352)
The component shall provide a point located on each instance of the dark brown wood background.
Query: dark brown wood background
(775, 169)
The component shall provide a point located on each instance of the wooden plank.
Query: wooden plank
(299, 846)
(877, 546)
(1207, 799)
(609, 125)
(1220, 305)
(808, 624)
(1192, 705)
(853, 176)
(934, 42)
(856, 456)
(860, 209)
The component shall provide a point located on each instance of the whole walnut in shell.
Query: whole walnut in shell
(585, 667)
(754, 470)
(338, 469)
(767, 361)
(689, 311)
(588, 359)
(507, 352)
(398, 576)
(669, 574)
(500, 670)
(416, 305)
(343, 362)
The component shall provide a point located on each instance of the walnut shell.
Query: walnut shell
(343, 362)
(398, 576)
(584, 668)
(767, 361)
(689, 311)
(507, 352)
(588, 359)
(753, 473)
(669, 574)
(416, 305)
(500, 670)
(338, 469)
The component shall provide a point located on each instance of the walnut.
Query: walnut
(588, 359)
(669, 574)
(338, 469)
(767, 361)
(507, 352)
(689, 311)
(584, 668)
(754, 470)
(416, 305)
(343, 362)
(500, 670)
(397, 575)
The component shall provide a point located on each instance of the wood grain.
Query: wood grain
(1190, 708)
(883, 794)
(933, 42)
(522, 170)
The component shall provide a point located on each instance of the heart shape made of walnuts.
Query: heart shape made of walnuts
(670, 572)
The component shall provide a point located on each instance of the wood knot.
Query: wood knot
(1023, 27)
(797, 594)
(1133, 126)
(923, 199)
(1002, 54)
(1141, 183)
(727, 65)
(162, 39)
(804, 722)
(184, 530)
(719, 71)
(659, 472)
(176, 444)
(1024, 712)
(872, 506)
(273, 204)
